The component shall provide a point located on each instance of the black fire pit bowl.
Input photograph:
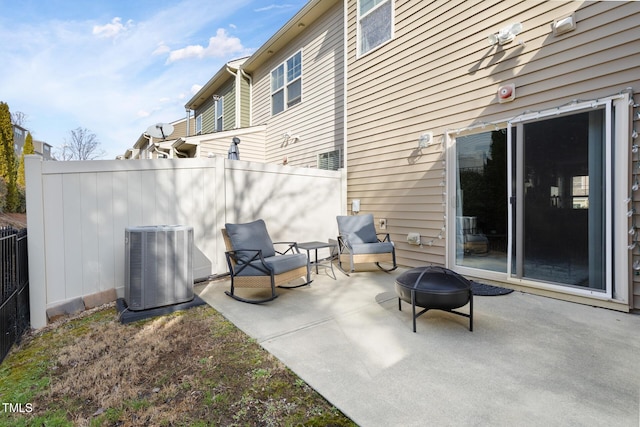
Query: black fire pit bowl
(434, 288)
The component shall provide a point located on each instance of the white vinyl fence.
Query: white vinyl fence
(77, 213)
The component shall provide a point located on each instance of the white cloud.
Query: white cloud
(113, 29)
(195, 89)
(162, 49)
(220, 46)
(273, 6)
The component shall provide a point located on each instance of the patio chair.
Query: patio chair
(358, 243)
(254, 263)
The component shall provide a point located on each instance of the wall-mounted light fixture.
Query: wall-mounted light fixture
(564, 25)
(216, 97)
(355, 206)
(506, 34)
(426, 139)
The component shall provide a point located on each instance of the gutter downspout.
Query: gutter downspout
(345, 105)
(188, 111)
(238, 99)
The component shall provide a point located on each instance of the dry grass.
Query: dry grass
(187, 368)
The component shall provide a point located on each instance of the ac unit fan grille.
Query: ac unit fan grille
(158, 266)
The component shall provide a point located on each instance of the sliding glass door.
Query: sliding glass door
(531, 200)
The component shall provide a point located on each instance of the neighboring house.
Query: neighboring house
(19, 138)
(43, 149)
(298, 88)
(223, 102)
(149, 147)
(532, 190)
(285, 102)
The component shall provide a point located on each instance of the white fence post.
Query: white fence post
(35, 241)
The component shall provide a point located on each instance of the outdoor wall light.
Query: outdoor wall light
(564, 25)
(426, 139)
(505, 35)
(355, 206)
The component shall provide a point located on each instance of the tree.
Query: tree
(8, 157)
(19, 118)
(82, 145)
(27, 149)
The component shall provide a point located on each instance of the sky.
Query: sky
(116, 67)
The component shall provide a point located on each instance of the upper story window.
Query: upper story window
(219, 113)
(375, 24)
(286, 84)
(199, 124)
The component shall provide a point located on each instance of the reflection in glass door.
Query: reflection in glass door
(481, 195)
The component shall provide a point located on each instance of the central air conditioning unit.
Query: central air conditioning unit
(158, 266)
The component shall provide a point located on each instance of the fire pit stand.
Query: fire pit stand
(434, 288)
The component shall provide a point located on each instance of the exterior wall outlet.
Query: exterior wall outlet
(383, 223)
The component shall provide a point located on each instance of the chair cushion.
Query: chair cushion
(358, 229)
(279, 264)
(251, 235)
(372, 248)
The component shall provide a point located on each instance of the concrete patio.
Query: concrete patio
(530, 360)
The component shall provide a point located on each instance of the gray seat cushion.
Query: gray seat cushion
(372, 248)
(279, 264)
(252, 235)
(357, 229)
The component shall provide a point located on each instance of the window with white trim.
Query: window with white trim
(286, 84)
(199, 124)
(219, 113)
(375, 24)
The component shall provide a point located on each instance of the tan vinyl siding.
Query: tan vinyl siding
(229, 105)
(245, 94)
(251, 143)
(180, 128)
(208, 110)
(439, 74)
(318, 119)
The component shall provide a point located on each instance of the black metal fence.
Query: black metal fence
(14, 296)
